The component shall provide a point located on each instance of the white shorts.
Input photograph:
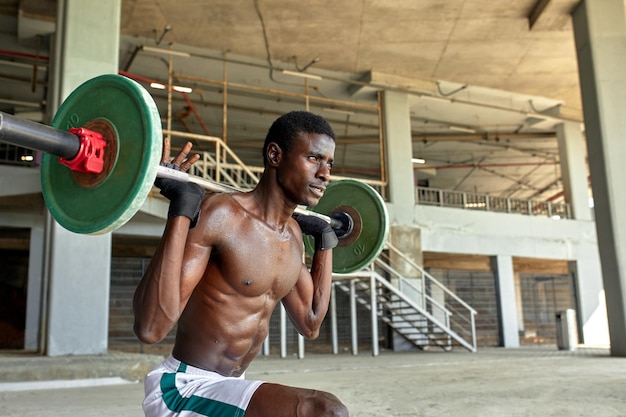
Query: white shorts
(176, 389)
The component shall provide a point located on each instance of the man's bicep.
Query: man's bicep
(195, 260)
(299, 300)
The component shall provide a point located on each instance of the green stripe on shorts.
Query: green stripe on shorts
(203, 406)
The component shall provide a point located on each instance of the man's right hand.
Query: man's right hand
(185, 197)
(324, 235)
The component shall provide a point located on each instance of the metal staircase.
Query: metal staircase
(421, 309)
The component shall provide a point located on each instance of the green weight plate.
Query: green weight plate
(368, 212)
(126, 115)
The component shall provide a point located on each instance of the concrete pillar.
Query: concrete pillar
(507, 306)
(591, 302)
(77, 267)
(600, 36)
(34, 301)
(403, 234)
(519, 303)
(399, 150)
(397, 126)
(87, 43)
(572, 153)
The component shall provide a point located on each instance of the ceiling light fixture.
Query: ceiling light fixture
(181, 89)
(165, 51)
(166, 29)
(302, 74)
(462, 129)
(419, 161)
(313, 61)
(178, 88)
(478, 204)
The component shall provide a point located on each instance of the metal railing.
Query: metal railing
(484, 202)
(224, 166)
(447, 309)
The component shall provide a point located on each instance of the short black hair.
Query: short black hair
(286, 127)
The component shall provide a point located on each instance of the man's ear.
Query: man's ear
(274, 154)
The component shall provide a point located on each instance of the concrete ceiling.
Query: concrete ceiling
(503, 72)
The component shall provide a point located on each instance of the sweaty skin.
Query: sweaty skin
(221, 280)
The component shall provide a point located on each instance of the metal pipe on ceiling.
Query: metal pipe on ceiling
(349, 104)
(490, 165)
(33, 104)
(23, 65)
(23, 55)
(224, 100)
(483, 137)
(407, 90)
(257, 90)
(381, 144)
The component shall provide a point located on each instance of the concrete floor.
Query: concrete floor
(493, 382)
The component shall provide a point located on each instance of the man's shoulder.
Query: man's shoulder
(219, 206)
(224, 200)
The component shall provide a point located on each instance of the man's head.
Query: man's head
(286, 127)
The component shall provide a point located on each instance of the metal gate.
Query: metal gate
(542, 296)
(478, 289)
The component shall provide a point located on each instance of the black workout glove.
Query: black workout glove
(185, 197)
(320, 230)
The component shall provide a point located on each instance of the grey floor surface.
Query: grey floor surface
(492, 382)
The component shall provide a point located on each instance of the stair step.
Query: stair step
(402, 315)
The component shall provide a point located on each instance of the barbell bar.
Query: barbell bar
(101, 156)
(66, 145)
(165, 172)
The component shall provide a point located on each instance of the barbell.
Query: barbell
(101, 156)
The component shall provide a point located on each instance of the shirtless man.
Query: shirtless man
(221, 278)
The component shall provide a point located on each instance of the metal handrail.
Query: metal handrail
(376, 278)
(216, 166)
(485, 202)
(218, 161)
(428, 276)
(425, 298)
(453, 306)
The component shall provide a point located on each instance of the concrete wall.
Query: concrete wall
(450, 230)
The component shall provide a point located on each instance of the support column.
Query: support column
(87, 43)
(403, 234)
(591, 301)
(519, 304)
(78, 266)
(399, 150)
(34, 301)
(600, 35)
(572, 154)
(507, 308)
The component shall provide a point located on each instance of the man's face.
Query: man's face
(304, 170)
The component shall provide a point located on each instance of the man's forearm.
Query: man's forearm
(157, 299)
(322, 276)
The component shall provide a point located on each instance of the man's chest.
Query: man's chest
(257, 264)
